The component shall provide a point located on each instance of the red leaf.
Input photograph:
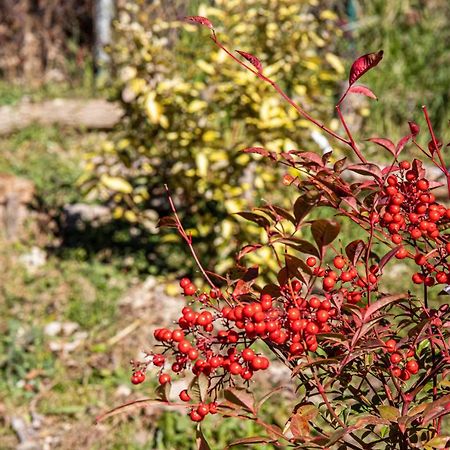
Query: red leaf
(386, 143)
(248, 249)
(374, 307)
(414, 128)
(253, 60)
(199, 20)
(401, 143)
(363, 90)
(259, 150)
(363, 64)
(129, 407)
(371, 170)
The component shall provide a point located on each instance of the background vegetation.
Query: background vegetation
(61, 381)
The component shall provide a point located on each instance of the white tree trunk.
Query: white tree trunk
(103, 16)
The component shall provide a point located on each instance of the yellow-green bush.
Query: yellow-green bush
(189, 111)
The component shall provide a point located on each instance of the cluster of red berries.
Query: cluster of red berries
(403, 364)
(411, 215)
(218, 344)
(199, 411)
(346, 280)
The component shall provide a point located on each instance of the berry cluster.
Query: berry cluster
(411, 215)
(219, 344)
(403, 364)
(352, 285)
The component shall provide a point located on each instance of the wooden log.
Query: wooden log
(91, 113)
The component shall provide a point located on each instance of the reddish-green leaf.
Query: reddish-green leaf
(363, 90)
(355, 250)
(248, 249)
(324, 231)
(363, 64)
(371, 170)
(199, 20)
(389, 413)
(258, 150)
(127, 407)
(253, 60)
(401, 144)
(385, 143)
(241, 397)
(202, 443)
(260, 220)
(250, 440)
(167, 222)
(385, 301)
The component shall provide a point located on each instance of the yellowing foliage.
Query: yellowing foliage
(190, 110)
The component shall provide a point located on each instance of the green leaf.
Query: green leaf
(437, 442)
(389, 413)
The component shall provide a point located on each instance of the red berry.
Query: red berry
(422, 184)
(328, 283)
(185, 282)
(190, 289)
(311, 261)
(293, 314)
(266, 302)
(312, 328)
(164, 378)
(138, 377)
(184, 396)
(177, 335)
(203, 409)
(412, 366)
(195, 416)
(396, 358)
(322, 316)
(184, 346)
(314, 303)
(339, 262)
(248, 354)
(235, 368)
(391, 345)
(158, 360)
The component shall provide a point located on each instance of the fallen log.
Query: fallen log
(90, 113)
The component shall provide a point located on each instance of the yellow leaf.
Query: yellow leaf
(210, 136)
(335, 62)
(116, 184)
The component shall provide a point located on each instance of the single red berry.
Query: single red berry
(322, 316)
(203, 409)
(195, 416)
(422, 184)
(164, 378)
(193, 354)
(266, 302)
(412, 366)
(184, 396)
(328, 283)
(248, 354)
(235, 368)
(190, 289)
(339, 262)
(314, 303)
(396, 358)
(405, 375)
(311, 261)
(213, 408)
(185, 282)
(396, 371)
(312, 328)
(138, 377)
(405, 165)
(293, 314)
(177, 335)
(158, 360)
(391, 345)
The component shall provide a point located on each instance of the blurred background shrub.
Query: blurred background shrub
(415, 37)
(189, 111)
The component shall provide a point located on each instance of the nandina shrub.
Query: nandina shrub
(371, 366)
